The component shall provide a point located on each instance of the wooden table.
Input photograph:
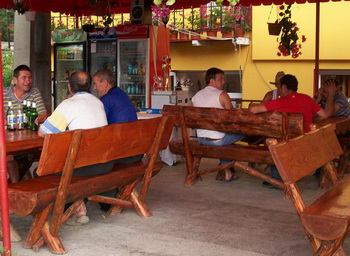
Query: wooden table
(342, 124)
(19, 141)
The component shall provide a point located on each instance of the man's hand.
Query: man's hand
(331, 88)
(257, 108)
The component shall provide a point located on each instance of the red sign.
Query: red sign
(133, 31)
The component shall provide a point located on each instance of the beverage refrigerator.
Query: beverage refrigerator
(140, 61)
(68, 58)
(102, 49)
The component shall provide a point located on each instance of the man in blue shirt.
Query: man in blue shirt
(117, 104)
(119, 109)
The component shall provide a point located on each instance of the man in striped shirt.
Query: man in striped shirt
(23, 90)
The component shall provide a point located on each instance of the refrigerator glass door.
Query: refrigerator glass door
(133, 69)
(68, 59)
(102, 55)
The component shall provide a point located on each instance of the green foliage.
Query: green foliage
(7, 67)
(6, 20)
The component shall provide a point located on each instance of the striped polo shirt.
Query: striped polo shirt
(32, 95)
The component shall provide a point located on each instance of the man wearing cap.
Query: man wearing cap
(276, 93)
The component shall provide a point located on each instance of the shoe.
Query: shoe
(77, 221)
(220, 175)
(269, 185)
(233, 178)
(105, 207)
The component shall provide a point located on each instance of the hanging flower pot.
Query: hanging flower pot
(88, 27)
(274, 28)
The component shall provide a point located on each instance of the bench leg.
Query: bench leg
(258, 174)
(139, 206)
(37, 225)
(192, 173)
(123, 195)
(54, 243)
(333, 248)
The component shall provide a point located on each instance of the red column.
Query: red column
(3, 170)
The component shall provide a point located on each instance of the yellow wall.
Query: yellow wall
(259, 61)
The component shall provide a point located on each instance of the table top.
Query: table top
(22, 140)
(342, 124)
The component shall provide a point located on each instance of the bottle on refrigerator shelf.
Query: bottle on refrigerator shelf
(10, 117)
(130, 69)
(32, 117)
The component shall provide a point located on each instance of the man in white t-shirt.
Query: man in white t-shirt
(81, 111)
(213, 96)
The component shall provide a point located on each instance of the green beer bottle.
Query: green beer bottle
(33, 114)
(26, 114)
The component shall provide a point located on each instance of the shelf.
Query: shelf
(58, 60)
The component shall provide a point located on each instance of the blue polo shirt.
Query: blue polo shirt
(118, 106)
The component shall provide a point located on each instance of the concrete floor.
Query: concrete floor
(212, 218)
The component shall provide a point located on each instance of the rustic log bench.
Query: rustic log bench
(66, 151)
(270, 124)
(327, 219)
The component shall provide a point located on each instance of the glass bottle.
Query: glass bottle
(27, 112)
(32, 117)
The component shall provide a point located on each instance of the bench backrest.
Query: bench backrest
(271, 124)
(302, 155)
(101, 145)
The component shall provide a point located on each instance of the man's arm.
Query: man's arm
(330, 107)
(225, 100)
(322, 113)
(257, 108)
(267, 97)
(42, 117)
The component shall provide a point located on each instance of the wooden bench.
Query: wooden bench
(270, 124)
(327, 219)
(66, 151)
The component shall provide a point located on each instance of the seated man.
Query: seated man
(291, 102)
(119, 109)
(214, 96)
(332, 99)
(276, 93)
(81, 111)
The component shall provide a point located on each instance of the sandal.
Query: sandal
(77, 221)
(233, 178)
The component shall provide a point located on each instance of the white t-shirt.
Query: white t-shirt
(209, 97)
(82, 111)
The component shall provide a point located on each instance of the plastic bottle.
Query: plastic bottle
(32, 117)
(130, 69)
(11, 117)
(19, 119)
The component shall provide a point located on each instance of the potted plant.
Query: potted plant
(195, 23)
(174, 24)
(288, 41)
(228, 21)
(212, 20)
(59, 25)
(88, 25)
